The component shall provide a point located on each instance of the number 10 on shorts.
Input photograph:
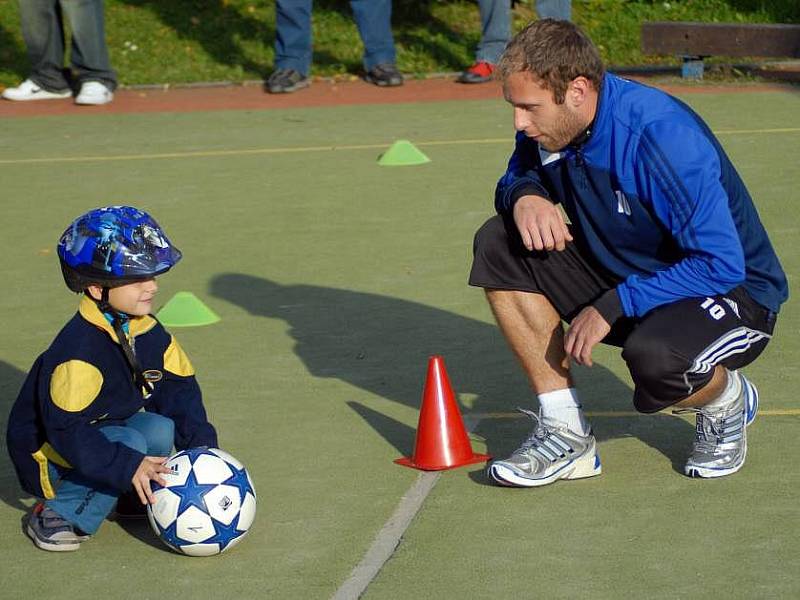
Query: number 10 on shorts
(715, 310)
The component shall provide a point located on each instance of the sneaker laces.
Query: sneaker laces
(540, 434)
(714, 429)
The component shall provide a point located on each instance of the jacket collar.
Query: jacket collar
(89, 310)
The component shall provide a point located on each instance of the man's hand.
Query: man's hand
(540, 224)
(150, 468)
(587, 329)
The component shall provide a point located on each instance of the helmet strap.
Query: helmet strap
(117, 321)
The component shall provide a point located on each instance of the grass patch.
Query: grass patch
(152, 41)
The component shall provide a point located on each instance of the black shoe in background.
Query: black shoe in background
(285, 81)
(384, 75)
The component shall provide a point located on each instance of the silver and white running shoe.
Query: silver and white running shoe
(550, 453)
(720, 444)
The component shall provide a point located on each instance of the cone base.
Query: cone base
(409, 462)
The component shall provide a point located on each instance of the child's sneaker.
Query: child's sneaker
(49, 531)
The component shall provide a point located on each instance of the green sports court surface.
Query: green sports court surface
(335, 279)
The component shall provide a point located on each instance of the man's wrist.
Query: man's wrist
(528, 190)
(609, 306)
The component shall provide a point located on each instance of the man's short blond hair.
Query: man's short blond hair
(554, 53)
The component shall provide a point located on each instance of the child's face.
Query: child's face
(135, 299)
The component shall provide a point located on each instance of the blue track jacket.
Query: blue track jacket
(653, 197)
(83, 382)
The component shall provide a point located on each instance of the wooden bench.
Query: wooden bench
(696, 41)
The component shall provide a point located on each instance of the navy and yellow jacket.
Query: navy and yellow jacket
(83, 382)
(653, 197)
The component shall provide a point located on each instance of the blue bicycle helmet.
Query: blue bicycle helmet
(112, 246)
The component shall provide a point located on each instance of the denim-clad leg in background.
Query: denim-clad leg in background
(43, 31)
(89, 54)
(554, 9)
(293, 35)
(495, 29)
(83, 502)
(374, 21)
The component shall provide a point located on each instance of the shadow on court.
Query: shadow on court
(11, 380)
(382, 344)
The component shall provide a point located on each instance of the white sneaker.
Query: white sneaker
(94, 93)
(28, 90)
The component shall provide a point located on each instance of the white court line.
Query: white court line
(391, 533)
(388, 538)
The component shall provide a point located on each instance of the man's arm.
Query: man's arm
(522, 177)
(678, 168)
(66, 399)
(521, 195)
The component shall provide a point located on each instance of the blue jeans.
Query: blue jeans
(43, 30)
(293, 33)
(496, 24)
(495, 29)
(83, 502)
(554, 9)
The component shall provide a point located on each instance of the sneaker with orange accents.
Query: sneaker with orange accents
(480, 72)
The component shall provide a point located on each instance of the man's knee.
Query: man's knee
(494, 265)
(657, 371)
(490, 237)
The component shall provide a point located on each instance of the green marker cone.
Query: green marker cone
(402, 153)
(185, 310)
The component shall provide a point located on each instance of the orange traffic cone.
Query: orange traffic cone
(442, 441)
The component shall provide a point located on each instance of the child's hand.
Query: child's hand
(150, 468)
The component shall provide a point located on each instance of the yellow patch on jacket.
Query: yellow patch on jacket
(74, 385)
(176, 361)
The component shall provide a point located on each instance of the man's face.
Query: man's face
(536, 113)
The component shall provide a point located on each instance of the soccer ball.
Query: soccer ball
(208, 504)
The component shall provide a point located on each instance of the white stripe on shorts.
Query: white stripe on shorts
(736, 341)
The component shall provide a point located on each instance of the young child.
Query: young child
(77, 434)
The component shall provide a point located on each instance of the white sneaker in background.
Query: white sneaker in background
(28, 90)
(94, 93)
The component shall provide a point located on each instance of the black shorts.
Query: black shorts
(671, 351)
